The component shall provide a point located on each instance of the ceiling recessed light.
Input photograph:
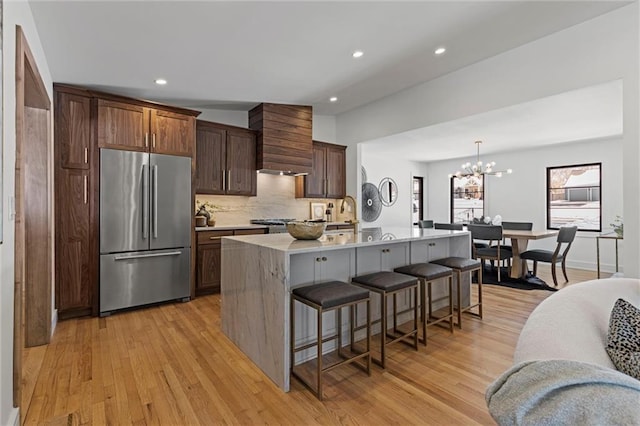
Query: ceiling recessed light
(440, 50)
(358, 53)
(333, 99)
(161, 81)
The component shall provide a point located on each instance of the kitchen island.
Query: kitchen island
(259, 271)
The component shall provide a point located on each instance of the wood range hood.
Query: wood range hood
(285, 143)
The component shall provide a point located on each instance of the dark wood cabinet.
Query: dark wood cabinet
(74, 189)
(328, 176)
(122, 126)
(171, 133)
(86, 120)
(208, 261)
(335, 171)
(225, 160)
(341, 227)
(208, 257)
(73, 244)
(136, 128)
(72, 131)
(211, 145)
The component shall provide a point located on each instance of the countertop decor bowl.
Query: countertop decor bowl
(306, 230)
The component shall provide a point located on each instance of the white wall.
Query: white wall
(324, 126)
(596, 51)
(17, 12)
(402, 172)
(521, 196)
(231, 118)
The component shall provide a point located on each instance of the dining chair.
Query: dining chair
(449, 226)
(423, 224)
(566, 236)
(491, 233)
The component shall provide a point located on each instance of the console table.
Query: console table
(607, 236)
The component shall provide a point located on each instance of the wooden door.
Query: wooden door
(335, 172)
(241, 163)
(37, 232)
(122, 126)
(210, 159)
(315, 182)
(73, 253)
(72, 130)
(172, 133)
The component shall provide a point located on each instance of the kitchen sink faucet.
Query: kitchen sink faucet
(354, 221)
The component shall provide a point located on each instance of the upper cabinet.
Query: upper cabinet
(327, 178)
(134, 127)
(122, 126)
(73, 129)
(172, 133)
(225, 160)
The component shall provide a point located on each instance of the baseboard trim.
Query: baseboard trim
(590, 266)
(14, 417)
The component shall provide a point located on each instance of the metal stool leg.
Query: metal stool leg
(383, 330)
(459, 298)
(319, 358)
(423, 310)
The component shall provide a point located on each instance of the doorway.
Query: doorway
(33, 207)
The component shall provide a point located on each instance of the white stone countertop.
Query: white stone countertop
(229, 227)
(250, 226)
(334, 240)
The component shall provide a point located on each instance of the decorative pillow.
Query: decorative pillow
(623, 340)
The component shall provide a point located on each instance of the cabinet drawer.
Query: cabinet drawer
(208, 237)
(250, 231)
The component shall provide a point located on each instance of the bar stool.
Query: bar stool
(427, 273)
(325, 297)
(386, 283)
(460, 265)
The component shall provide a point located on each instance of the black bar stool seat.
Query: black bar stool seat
(332, 293)
(460, 265)
(386, 283)
(325, 297)
(427, 273)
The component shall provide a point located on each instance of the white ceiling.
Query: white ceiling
(233, 55)
(585, 114)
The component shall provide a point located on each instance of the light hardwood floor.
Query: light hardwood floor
(172, 365)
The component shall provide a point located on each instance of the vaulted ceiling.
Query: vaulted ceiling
(235, 54)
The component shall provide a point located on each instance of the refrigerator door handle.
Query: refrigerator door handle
(145, 202)
(142, 256)
(155, 201)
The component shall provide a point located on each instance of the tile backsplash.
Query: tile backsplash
(275, 199)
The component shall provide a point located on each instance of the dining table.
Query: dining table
(519, 241)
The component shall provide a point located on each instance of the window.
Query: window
(417, 200)
(467, 198)
(573, 196)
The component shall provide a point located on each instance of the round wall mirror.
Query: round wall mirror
(388, 191)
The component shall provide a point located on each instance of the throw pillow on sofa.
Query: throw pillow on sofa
(623, 339)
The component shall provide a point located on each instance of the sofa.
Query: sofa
(562, 373)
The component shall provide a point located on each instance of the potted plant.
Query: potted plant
(207, 209)
(618, 226)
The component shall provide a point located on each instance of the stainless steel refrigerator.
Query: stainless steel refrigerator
(145, 228)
